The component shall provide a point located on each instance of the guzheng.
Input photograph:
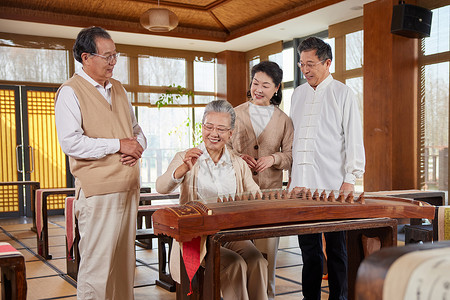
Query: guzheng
(276, 207)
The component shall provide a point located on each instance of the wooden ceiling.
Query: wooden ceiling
(213, 20)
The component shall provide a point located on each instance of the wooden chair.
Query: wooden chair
(14, 281)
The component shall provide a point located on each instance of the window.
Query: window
(434, 97)
(251, 64)
(160, 71)
(120, 72)
(204, 76)
(354, 47)
(33, 65)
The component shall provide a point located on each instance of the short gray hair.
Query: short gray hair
(220, 106)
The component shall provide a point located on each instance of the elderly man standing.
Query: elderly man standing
(97, 129)
(328, 153)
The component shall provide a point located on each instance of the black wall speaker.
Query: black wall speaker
(411, 21)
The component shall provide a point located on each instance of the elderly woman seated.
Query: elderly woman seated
(211, 170)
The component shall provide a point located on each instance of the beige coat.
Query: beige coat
(188, 188)
(276, 140)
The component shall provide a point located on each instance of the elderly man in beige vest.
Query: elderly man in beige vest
(97, 129)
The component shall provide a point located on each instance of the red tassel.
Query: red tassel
(190, 288)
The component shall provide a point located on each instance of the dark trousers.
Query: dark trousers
(336, 249)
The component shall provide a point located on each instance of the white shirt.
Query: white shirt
(260, 116)
(328, 144)
(70, 133)
(215, 179)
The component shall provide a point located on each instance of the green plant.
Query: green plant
(196, 131)
(171, 96)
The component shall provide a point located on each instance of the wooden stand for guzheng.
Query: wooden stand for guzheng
(279, 213)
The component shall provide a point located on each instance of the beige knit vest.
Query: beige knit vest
(101, 120)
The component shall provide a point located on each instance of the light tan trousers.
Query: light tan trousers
(107, 225)
(243, 272)
(269, 246)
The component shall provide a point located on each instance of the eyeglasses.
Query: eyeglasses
(219, 129)
(109, 59)
(309, 65)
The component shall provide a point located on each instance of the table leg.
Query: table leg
(355, 251)
(42, 243)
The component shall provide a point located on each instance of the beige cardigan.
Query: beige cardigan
(276, 140)
(188, 188)
(188, 192)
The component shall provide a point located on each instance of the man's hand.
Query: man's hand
(347, 187)
(251, 161)
(264, 162)
(297, 191)
(131, 147)
(128, 160)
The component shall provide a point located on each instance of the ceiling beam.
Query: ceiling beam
(46, 17)
(208, 7)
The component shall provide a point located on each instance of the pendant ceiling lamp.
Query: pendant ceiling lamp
(159, 19)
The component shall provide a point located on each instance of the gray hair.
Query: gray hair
(220, 106)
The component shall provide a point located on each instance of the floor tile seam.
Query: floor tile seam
(42, 276)
(289, 266)
(290, 252)
(299, 283)
(58, 271)
(287, 293)
(144, 285)
(147, 265)
(288, 279)
(60, 297)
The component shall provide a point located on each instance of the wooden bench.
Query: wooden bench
(40, 217)
(14, 281)
(165, 280)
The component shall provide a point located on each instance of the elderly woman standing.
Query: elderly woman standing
(211, 170)
(263, 137)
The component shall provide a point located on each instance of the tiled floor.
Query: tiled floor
(48, 279)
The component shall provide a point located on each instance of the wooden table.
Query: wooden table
(42, 241)
(147, 198)
(383, 228)
(436, 198)
(34, 185)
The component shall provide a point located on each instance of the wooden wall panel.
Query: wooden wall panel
(390, 102)
(231, 77)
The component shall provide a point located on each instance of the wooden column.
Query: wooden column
(231, 72)
(390, 102)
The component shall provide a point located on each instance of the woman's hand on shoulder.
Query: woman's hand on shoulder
(264, 162)
(251, 161)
